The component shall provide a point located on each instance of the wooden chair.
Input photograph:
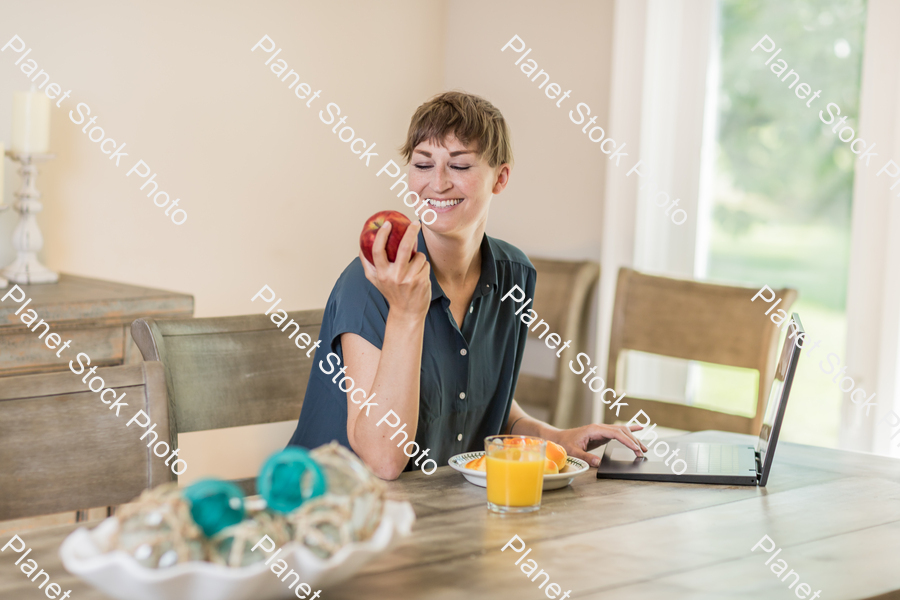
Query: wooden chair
(230, 371)
(562, 298)
(63, 450)
(699, 321)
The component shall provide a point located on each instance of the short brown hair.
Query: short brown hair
(469, 117)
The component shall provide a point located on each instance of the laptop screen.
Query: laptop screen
(778, 395)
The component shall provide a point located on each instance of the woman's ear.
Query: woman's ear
(502, 178)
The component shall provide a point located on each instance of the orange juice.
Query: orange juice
(512, 482)
(515, 472)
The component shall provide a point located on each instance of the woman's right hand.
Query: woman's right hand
(406, 282)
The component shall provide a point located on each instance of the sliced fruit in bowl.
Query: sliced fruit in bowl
(477, 464)
(557, 454)
(472, 466)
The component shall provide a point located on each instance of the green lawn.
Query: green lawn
(810, 258)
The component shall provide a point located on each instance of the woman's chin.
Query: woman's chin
(450, 220)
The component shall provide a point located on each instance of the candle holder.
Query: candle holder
(26, 238)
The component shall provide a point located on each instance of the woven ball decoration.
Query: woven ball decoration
(215, 504)
(289, 478)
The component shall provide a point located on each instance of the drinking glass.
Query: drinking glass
(515, 472)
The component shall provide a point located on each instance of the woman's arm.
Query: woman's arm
(392, 373)
(576, 441)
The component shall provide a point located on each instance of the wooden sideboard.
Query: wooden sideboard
(95, 314)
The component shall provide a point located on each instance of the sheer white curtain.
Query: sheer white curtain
(660, 75)
(873, 297)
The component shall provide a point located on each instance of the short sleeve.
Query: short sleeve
(530, 283)
(358, 307)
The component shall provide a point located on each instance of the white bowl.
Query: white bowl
(553, 481)
(120, 576)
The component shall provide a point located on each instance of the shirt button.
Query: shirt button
(463, 351)
(462, 395)
(459, 438)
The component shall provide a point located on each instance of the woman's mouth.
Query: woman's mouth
(443, 203)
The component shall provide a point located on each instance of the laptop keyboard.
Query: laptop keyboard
(713, 458)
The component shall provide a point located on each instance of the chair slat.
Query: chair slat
(63, 450)
(562, 299)
(699, 321)
(230, 371)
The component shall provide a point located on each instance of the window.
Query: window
(782, 183)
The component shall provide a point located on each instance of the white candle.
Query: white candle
(31, 122)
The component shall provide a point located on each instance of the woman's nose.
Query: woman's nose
(440, 182)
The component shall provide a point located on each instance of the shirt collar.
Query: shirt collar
(487, 282)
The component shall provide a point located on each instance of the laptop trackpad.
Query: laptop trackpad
(699, 458)
(623, 453)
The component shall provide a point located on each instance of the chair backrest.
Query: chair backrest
(62, 450)
(562, 299)
(698, 321)
(231, 371)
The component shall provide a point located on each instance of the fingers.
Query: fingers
(625, 436)
(379, 254)
(631, 435)
(600, 434)
(406, 282)
(409, 242)
(418, 264)
(591, 459)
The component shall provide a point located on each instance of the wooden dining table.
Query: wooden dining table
(835, 515)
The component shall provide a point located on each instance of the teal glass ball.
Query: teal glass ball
(289, 478)
(215, 504)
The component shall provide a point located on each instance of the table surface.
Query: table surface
(835, 514)
(95, 316)
(75, 298)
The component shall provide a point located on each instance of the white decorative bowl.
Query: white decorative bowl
(553, 481)
(120, 576)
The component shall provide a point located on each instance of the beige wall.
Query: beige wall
(272, 196)
(264, 181)
(554, 201)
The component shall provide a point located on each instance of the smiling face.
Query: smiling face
(457, 183)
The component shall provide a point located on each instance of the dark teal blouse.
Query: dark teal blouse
(468, 376)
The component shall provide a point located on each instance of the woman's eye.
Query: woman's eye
(425, 167)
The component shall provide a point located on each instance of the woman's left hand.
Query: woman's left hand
(579, 440)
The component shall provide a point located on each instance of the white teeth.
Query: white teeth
(443, 203)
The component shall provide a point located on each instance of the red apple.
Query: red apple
(398, 222)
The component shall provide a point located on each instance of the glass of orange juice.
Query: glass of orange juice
(515, 472)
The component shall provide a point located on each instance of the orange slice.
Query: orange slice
(550, 467)
(557, 454)
(477, 464)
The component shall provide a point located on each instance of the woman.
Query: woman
(427, 336)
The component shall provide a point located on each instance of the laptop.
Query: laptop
(731, 464)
